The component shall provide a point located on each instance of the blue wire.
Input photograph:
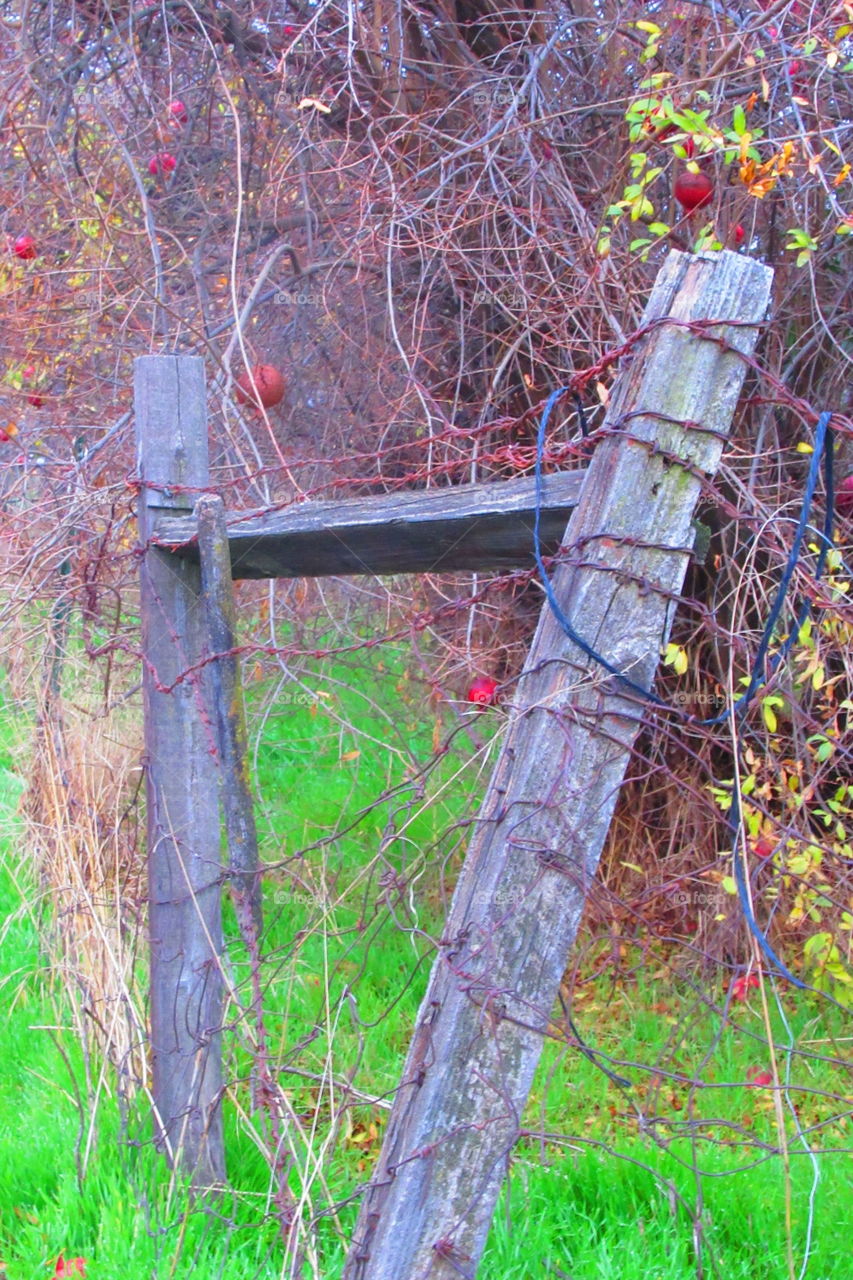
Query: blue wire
(823, 449)
(755, 929)
(543, 573)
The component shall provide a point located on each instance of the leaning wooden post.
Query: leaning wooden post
(536, 845)
(184, 871)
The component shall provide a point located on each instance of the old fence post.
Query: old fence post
(184, 871)
(537, 841)
(230, 711)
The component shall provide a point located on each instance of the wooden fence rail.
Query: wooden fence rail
(469, 527)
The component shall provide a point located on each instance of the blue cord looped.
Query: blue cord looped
(823, 449)
(553, 602)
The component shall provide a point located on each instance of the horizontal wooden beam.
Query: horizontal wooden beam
(471, 527)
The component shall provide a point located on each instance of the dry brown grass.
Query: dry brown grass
(80, 824)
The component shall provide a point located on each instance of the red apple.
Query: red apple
(693, 190)
(263, 385)
(163, 162)
(482, 691)
(179, 111)
(844, 496)
(24, 247)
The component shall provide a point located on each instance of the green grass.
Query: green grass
(598, 1196)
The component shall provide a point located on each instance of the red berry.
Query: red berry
(844, 496)
(290, 31)
(742, 985)
(739, 234)
(482, 691)
(693, 190)
(794, 66)
(763, 847)
(163, 162)
(264, 385)
(179, 111)
(24, 247)
(28, 373)
(36, 400)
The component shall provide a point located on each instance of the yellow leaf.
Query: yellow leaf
(350, 755)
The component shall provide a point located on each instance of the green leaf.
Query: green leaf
(739, 121)
(728, 886)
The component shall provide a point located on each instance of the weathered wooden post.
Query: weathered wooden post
(183, 812)
(230, 712)
(536, 845)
